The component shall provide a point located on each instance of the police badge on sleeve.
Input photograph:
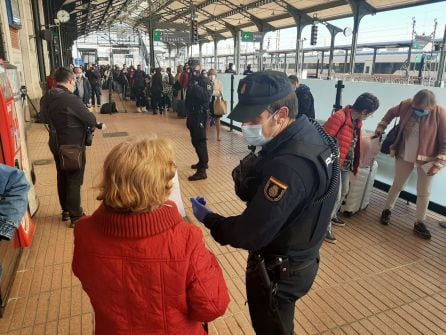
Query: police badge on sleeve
(274, 189)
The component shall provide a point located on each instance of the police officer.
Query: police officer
(290, 189)
(69, 121)
(198, 96)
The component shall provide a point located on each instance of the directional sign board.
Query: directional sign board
(171, 36)
(421, 41)
(120, 51)
(248, 36)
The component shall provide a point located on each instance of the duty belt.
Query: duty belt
(279, 267)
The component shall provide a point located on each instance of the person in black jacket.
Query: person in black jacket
(290, 189)
(139, 79)
(69, 121)
(156, 91)
(83, 87)
(304, 97)
(198, 96)
(94, 77)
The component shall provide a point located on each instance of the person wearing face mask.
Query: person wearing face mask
(290, 190)
(217, 92)
(68, 119)
(198, 96)
(83, 87)
(345, 125)
(420, 144)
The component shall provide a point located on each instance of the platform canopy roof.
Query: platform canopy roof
(217, 19)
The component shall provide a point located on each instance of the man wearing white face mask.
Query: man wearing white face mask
(83, 87)
(290, 189)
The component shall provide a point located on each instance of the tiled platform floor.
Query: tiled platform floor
(376, 280)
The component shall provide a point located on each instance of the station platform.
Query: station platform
(375, 280)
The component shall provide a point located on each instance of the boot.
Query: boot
(199, 175)
(196, 166)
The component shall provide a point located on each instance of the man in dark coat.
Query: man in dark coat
(83, 87)
(68, 119)
(139, 83)
(94, 77)
(304, 97)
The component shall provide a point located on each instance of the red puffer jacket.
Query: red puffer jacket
(148, 273)
(340, 126)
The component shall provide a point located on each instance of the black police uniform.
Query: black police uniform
(69, 120)
(198, 95)
(288, 210)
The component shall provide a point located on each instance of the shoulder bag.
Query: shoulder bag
(391, 137)
(220, 106)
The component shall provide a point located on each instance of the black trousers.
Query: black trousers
(196, 123)
(95, 92)
(156, 100)
(69, 188)
(264, 319)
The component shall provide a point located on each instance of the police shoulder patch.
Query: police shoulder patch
(274, 189)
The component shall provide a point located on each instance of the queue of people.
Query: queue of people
(293, 189)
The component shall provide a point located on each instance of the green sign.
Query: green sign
(156, 36)
(418, 59)
(247, 36)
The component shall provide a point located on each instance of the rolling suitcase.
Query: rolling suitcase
(361, 187)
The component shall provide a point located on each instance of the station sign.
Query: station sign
(421, 41)
(248, 36)
(171, 36)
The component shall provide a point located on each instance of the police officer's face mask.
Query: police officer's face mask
(253, 134)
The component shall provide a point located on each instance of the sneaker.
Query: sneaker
(65, 216)
(144, 109)
(338, 221)
(385, 217)
(420, 229)
(330, 238)
(199, 175)
(442, 224)
(139, 110)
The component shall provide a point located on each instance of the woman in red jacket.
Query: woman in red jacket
(145, 269)
(345, 125)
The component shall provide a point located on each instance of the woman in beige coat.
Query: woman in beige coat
(216, 93)
(420, 144)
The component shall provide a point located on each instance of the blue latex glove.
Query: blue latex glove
(199, 208)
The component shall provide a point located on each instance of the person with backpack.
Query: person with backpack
(345, 125)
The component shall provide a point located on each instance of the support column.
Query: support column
(374, 60)
(360, 8)
(441, 64)
(301, 19)
(345, 61)
(285, 64)
(39, 45)
(200, 52)
(215, 54)
(333, 32)
(260, 58)
(169, 50)
(322, 61)
(151, 47)
(237, 39)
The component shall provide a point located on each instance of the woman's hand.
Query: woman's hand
(433, 171)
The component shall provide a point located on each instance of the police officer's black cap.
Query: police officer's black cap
(257, 91)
